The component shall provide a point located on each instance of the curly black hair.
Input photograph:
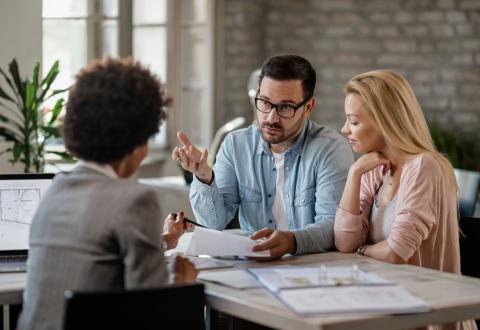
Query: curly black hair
(114, 106)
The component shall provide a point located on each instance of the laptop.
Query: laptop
(20, 195)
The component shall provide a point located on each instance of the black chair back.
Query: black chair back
(172, 307)
(470, 246)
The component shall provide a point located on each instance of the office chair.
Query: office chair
(468, 187)
(469, 247)
(220, 135)
(171, 307)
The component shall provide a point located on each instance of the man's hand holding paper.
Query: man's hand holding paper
(221, 243)
(276, 241)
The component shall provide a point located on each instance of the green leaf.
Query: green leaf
(56, 92)
(53, 71)
(48, 80)
(13, 112)
(50, 131)
(4, 119)
(13, 66)
(36, 70)
(63, 154)
(29, 96)
(8, 134)
(4, 95)
(57, 108)
(10, 83)
(17, 151)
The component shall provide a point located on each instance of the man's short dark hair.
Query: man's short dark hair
(290, 67)
(114, 106)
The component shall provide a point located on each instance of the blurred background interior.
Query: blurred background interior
(206, 50)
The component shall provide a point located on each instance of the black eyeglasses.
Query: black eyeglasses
(284, 110)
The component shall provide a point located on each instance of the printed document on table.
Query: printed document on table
(237, 278)
(352, 299)
(292, 277)
(220, 243)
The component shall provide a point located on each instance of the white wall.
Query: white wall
(20, 37)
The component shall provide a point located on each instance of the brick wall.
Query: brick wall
(244, 36)
(434, 43)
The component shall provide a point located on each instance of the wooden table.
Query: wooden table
(452, 297)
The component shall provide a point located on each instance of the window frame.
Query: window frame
(178, 116)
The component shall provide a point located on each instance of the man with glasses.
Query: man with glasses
(284, 174)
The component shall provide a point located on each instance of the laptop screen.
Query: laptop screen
(20, 195)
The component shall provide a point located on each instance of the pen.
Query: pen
(190, 221)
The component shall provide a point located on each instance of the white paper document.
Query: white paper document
(238, 278)
(292, 277)
(352, 299)
(204, 263)
(220, 243)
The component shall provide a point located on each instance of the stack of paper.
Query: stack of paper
(237, 278)
(279, 278)
(308, 290)
(353, 299)
(220, 243)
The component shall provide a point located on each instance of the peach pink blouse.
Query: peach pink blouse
(425, 229)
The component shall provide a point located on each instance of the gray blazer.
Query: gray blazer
(90, 232)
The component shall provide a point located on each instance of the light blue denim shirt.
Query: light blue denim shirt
(316, 168)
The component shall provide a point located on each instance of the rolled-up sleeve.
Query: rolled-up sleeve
(215, 205)
(351, 230)
(415, 216)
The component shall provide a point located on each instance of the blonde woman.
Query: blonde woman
(400, 200)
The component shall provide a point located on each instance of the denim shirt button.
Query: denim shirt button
(241, 195)
(269, 195)
(303, 200)
(270, 220)
(287, 168)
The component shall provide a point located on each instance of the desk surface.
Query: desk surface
(452, 297)
(11, 288)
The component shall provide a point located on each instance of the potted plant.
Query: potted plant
(460, 147)
(23, 121)
(463, 151)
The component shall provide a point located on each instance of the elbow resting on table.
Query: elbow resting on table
(345, 246)
(394, 258)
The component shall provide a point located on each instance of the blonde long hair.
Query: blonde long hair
(391, 103)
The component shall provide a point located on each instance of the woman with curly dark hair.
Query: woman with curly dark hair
(94, 229)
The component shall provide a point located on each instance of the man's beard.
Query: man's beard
(273, 139)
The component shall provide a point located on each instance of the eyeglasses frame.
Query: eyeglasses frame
(275, 106)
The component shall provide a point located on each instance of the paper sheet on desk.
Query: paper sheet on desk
(221, 243)
(353, 299)
(237, 278)
(291, 277)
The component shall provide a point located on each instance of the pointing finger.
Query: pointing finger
(183, 139)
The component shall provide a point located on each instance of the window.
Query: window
(174, 38)
(76, 31)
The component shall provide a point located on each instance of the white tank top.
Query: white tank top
(381, 219)
(278, 208)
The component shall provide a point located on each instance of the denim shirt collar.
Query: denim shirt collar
(296, 147)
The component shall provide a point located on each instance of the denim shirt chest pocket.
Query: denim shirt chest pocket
(249, 195)
(305, 197)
